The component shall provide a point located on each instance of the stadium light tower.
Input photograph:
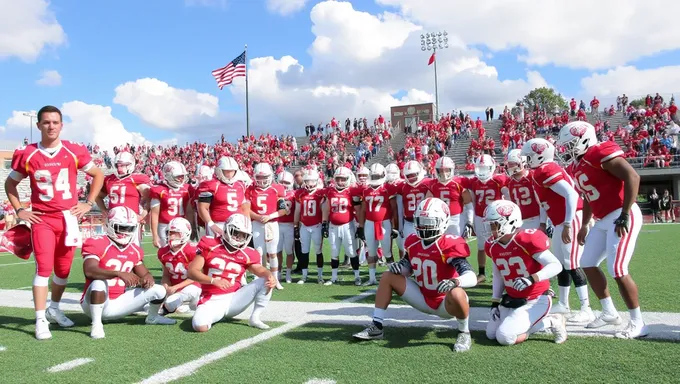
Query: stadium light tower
(31, 116)
(432, 41)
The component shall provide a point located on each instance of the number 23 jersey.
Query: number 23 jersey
(111, 258)
(219, 262)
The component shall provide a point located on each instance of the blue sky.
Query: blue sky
(178, 43)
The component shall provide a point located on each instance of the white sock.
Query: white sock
(304, 274)
(564, 295)
(379, 315)
(288, 272)
(319, 273)
(54, 305)
(371, 273)
(463, 325)
(356, 274)
(636, 315)
(334, 274)
(278, 275)
(153, 309)
(96, 313)
(40, 314)
(582, 293)
(608, 306)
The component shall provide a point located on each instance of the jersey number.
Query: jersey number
(262, 204)
(505, 266)
(115, 197)
(379, 200)
(175, 207)
(309, 208)
(339, 205)
(522, 196)
(118, 266)
(232, 203)
(590, 193)
(47, 186)
(178, 272)
(485, 196)
(224, 270)
(413, 199)
(444, 196)
(425, 272)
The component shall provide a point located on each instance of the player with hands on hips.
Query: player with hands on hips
(431, 278)
(219, 267)
(169, 200)
(523, 266)
(609, 186)
(113, 263)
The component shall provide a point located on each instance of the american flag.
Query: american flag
(225, 75)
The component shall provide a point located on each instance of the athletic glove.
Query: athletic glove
(549, 231)
(324, 229)
(394, 234)
(495, 313)
(360, 234)
(447, 285)
(467, 232)
(622, 221)
(296, 233)
(522, 283)
(400, 267)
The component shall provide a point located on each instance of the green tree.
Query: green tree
(638, 103)
(545, 98)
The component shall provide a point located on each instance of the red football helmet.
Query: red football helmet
(17, 241)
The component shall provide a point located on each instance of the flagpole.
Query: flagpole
(436, 88)
(247, 110)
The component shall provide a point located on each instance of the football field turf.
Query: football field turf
(311, 342)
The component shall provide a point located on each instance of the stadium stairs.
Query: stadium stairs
(396, 143)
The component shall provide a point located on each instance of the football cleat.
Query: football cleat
(289, 280)
(370, 333)
(257, 323)
(320, 281)
(54, 315)
(42, 329)
(369, 283)
(632, 331)
(302, 281)
(463, 342)
(585, 315)
(97, 331)
(560, 308)
(278, 285)
(330, 282)
(559, 328)
(357, 281)
(605, 319)
(159, 320)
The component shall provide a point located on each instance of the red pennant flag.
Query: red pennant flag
(431, 59)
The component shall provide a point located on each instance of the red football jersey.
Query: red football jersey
(172, 201)
(485, 192)
(265, 201)
(310, 203)
(289, 198)
(603, 190)
(516, 259)
(123, 192)
(377, 201)
(54, 177)
(431, 263)
(111, 258)
(341, 204)
(219, 262)
(226, 199)
(176, 263)
(451, 193)
(522, 193)
(412, 196)
(544, 177)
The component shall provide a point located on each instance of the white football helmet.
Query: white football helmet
(238, 230)
(264, 175)
(501, 217)
(124, 164)
(342, 178)
(310, 179)
(226, 170)
(514, 162)
(431, 218)
(286, 179)
(485, 166)
(174, 174)
(205, 173)
(538, 151)
(121, 225)
(393, 173)
(182, 227)
(444, 168)
(377, 175)
(244, 178)
(576, 137)
(362, 175)
(413, 172)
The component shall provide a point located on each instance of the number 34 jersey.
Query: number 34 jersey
(172, 201)
(111, 258)
(177, 263)
(516, 259)
(431, 264)
(220, 262)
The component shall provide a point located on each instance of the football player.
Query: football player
(286, 227)
(113, 263)
(168, 201)
(363, 174)
(555, 190)
(175, 258)
(219, 267)
(437, 262)
(448, 188)
(522, 268)
(609, 186)
(521, 189)
(378, 219)
(308, 206)
(204, 173)
(412, 191)
(394, 178)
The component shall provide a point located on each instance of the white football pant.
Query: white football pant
(372, 242)
(342, 236)
(163, 234)
(266, 237)
(414, 297)
(514, 322)
(531, 223)
(209, 231)
(126, 304)
(188, 295)
(568, 254)
(479, 232)
(310, 235)
(409, 228)
(454, 227)
(229, 305)
(286, 238)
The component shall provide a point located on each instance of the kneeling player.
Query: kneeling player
(111, 263)
(175, 258)
(522, 267)
(219, 265)
(440, 270)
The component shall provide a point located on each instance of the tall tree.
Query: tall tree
(544, 98)
(638, 103)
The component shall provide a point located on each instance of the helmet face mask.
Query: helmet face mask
(444, 175)
(174, 174)
(121, 226)
(264, 176)
(286, 179)
(341, 182)
(226, 170)
(178, 233)
(431, 219)
(502, 218)
(237, 232)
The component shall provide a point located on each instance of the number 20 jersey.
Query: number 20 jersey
(220, 262)
(111, 258)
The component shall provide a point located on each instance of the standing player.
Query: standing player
(203, 174)
(521, 189)
(52, 167)
(394, 179)
(412, 191)
(219, 267)
(555, 190)
(221, 197)
(175, 258)
(339, 210)
(308, 206)
(485, 186)
(440, 274)
(168, 201)
(378, 219)
(523, 266)
(610, 187)
(363, 174)
(449, 189)
(113, 262)
(286, 228)
(267, 205)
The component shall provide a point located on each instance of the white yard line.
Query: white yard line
(320, 381)
(20, 263)
(67, 366)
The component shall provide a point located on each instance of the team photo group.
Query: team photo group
(221, 235)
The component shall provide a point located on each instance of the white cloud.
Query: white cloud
(635, 83)
(49, 78)
(577, 34)
(165, 107)
(285, 7)
(27, 28)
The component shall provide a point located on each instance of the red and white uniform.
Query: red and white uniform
(226, 200)
(378, 216)
(431, 264)
(124, 192)
(172, 203)
(310, 204)
(452, 194)
(484, 193)
(604, 193)
(522, 193)
(265, 202)
(411, 196)
(286, 225)
(341, 229)
(176, 264)
(53, 178)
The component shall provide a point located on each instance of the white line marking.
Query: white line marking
(30, 286)
(23, 262)
(320, 381)
(2, 349)
(69, 365)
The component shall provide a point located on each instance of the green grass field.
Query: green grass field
(133, 351)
